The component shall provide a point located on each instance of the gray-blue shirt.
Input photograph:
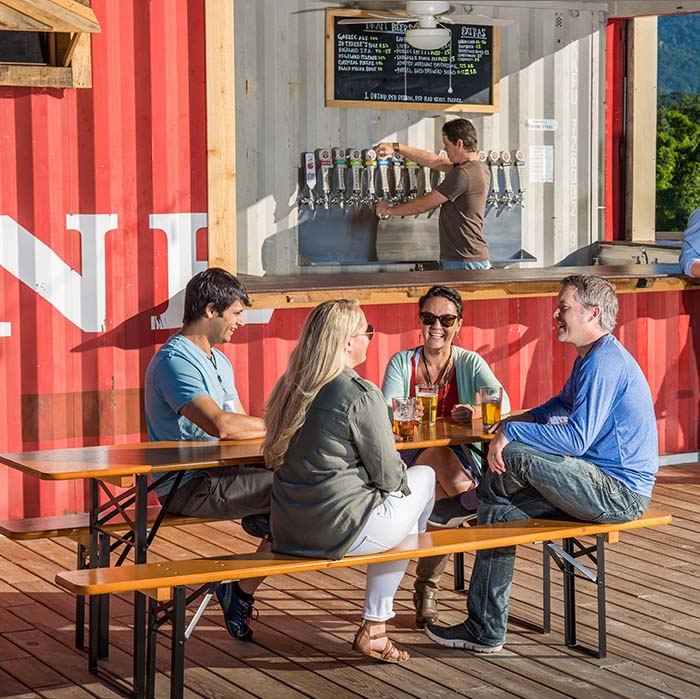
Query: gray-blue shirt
(178, 373)
(604, 414)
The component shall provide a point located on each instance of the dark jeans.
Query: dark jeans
(536, 484)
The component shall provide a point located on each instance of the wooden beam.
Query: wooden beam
(221, 134)
(59, 15)
(641, 129)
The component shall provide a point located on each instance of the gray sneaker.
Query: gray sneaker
(449, 513)
(458, 636)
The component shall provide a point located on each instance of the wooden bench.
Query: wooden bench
(165, 583)
(77, 527)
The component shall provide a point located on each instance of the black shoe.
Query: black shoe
(449, 512)
(458, 636)
(237, 611)
(257, 526)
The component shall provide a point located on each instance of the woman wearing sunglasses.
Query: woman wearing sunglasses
(458, 373)
(340, 487)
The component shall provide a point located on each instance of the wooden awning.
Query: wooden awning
(48, 16)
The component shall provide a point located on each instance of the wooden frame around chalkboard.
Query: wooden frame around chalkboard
(331, 14)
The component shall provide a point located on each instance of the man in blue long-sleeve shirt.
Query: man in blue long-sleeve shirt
(590, 452)
(690, 253)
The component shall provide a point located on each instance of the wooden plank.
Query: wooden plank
(200, 571)
(17, 21)
(81, 64)
(35, 76)
(60, 15)
(221, 130)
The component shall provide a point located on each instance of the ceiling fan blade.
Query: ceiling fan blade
(382, 18)
(479, 20)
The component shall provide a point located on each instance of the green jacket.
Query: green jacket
(340, 466)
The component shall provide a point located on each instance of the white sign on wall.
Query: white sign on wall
(541, 124)
(541, 164)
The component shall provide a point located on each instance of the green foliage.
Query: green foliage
(678, 53)
(677, 160)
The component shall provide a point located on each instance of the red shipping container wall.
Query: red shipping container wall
(102, 201)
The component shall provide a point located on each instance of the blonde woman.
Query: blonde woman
(340, 487)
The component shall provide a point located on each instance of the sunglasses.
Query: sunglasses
(369, 332)
(447, 321)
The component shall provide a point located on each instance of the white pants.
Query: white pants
(389, 524)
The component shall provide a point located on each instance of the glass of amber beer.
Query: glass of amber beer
(427, 396)
(404, 417)
(491, 397)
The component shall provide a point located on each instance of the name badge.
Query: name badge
(229, 403)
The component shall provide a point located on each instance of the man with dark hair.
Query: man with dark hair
(590, 453)
(461, 196)
(190, 394)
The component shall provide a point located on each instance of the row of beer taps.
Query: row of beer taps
(347, 178)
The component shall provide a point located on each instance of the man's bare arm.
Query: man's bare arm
(205, 413)
(419, 205)
(423, 157)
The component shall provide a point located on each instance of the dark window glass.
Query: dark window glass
(23, 47)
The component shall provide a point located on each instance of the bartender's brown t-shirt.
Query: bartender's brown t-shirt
(462, 215)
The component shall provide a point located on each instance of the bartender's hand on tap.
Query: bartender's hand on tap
(385, 149)
(382, 209)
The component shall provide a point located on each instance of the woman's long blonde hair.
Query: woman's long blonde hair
(316, 360)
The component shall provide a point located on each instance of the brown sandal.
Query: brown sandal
(389, 653)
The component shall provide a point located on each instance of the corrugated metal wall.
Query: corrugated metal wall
(552, 67)
(102, 194)
(83, 172)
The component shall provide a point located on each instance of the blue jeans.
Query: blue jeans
(464, 264)
(536, 484)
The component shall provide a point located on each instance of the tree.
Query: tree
(677, 160)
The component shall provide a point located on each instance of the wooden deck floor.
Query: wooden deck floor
(306, 623)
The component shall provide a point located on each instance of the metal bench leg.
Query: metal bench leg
(600, 585)
(569, 596)
(546, 589)
(459, 571)
(80, 602)
(177, 662)
(151, 646)
(103, 648)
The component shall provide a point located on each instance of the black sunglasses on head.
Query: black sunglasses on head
(447, 320)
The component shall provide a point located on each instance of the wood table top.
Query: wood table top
(155, 457)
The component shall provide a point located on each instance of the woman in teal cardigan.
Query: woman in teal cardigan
(458, 373)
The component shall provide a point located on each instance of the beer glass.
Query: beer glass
(404, 416)
(491, 397)
(427, 396)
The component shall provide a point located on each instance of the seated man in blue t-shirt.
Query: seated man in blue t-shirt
(190, 394)
(590, 452)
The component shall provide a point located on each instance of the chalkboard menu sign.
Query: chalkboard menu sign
(372, 65)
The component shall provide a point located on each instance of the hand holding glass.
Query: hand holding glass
(491, 397)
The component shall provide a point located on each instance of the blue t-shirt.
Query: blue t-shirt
(604, 414)
(178, 373)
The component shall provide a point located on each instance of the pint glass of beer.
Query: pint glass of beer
(427, 396)
(491, 397)
(404, 417)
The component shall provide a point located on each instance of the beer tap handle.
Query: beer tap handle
(519, 197)
(507, 196)
(427, 184)
(383, 165)
(341, 166)
(371, 167)
(324, 162)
